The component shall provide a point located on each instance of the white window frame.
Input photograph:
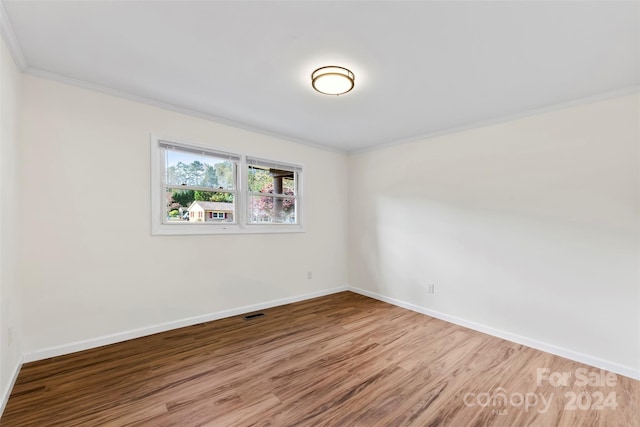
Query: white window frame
(297, 171)
(241, 196)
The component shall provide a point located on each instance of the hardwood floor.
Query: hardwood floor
(340, 360)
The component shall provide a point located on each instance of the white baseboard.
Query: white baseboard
(518, 339)
(73, 347)
(137, 333)
(6, 392)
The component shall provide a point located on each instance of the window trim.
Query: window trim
(241, 224)
(297, 170)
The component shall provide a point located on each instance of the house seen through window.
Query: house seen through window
(200, 185)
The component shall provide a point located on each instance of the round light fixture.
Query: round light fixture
(332, 80)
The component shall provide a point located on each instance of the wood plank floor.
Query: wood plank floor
(339, 360)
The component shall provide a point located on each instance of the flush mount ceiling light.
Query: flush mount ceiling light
(332, 80)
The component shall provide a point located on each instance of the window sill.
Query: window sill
(202, 229)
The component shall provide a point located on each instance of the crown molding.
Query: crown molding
(631, 90)
(172, 107)
(9, 37)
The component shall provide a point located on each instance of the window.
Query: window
(272, 192)
(200, 190)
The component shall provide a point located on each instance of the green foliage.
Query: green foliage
(189, 196)
(222, 197)
(183, 197)
(224, 172)
(202, 195)
(174, 213)
(209, 196)
(259, 179)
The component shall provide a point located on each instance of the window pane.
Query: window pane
(191, 206)
(289, 186)
(273, 181)
(260, 180)
(272, 210)
(200, 170)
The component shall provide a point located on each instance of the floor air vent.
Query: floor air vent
(253, 316)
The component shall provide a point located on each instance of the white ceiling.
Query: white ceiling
(421, 67)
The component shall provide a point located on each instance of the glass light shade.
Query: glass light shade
(332, 80)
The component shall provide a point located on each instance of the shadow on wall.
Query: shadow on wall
(513, 271)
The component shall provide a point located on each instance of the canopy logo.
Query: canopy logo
(499, 400)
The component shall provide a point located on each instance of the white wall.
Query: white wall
(90, 266)
(529, 227)
(10, 303)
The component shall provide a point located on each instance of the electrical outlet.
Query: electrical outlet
(10, 335)
(309, 275)
(431, 288)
